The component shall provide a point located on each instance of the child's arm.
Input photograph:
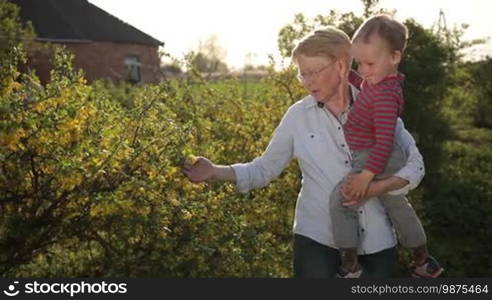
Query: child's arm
(406, 179)
(355, 79)
(385, 110)
(359, 183)
(376, 188)
(385, 106)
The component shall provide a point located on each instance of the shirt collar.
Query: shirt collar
(310, 102)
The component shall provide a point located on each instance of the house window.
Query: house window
(132, 63)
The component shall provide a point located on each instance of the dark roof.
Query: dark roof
(79, 20)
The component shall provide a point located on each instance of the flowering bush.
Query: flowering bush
(90, 181)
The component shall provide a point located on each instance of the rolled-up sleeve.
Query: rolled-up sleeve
(414, 169)
(263, 169)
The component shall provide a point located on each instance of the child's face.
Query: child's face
(374, 59)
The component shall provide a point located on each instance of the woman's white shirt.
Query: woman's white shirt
(315, 138)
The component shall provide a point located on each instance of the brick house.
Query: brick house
(104, 46)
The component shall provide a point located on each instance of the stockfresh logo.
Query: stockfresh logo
(71, 288)
(11, 290)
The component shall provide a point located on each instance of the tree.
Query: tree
(481, 71)
(12, 32)
(291, 33)
(210, 56)
(369, 7)
(14, 36)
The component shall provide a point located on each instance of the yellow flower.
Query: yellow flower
(69, 182)
(11, 140)
(174, 202)
(186, 214)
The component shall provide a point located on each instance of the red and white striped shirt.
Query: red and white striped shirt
(371, 122)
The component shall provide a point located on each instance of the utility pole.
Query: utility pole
(442, 26)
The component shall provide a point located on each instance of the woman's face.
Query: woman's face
(321, 76)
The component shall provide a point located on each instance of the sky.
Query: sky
(247, 29)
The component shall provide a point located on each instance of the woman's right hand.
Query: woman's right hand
(201, 170)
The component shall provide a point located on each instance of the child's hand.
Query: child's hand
(356, 186)
(348, 198)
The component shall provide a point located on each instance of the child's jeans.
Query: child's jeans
(345, 219)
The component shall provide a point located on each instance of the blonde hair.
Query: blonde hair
(387, 28)
(329, 42)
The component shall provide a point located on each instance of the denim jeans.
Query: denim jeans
(314, 260)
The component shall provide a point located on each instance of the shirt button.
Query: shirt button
(362, 230)
(346, 161)
(343, 145)
(360, 211)
(339, 128)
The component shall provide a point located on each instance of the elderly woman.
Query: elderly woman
(311, 131)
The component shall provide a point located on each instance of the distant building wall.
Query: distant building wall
(106, 60)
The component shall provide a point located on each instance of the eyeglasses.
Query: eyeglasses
(303, 77)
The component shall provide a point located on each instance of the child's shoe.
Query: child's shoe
(429, 269)
(344, 272)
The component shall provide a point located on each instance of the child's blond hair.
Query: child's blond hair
(387, 28)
